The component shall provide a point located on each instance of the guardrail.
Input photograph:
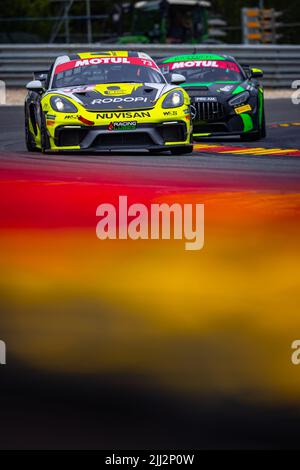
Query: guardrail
(281, 64)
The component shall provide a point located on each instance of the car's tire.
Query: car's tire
(30, 145)
(258, 135)
(182, 150)
(263, 130)
(45, 143)
(250, 137)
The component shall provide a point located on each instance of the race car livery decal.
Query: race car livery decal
(115, 91)
(72, 116)
(89, 55)
(78, 89)
(206, 99)
(243, 109)
(119, 99)
(185, 57)
(122, 126)
(124, 115)
(73, 64)
(170, 113)
(220, 64)
(131, 96)
(227, 88)
(239, 89)
(208, 84)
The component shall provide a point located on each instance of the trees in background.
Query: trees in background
(18, 30)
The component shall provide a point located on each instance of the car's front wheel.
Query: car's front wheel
(263, 130)
(260, 134)
(30, 145)
(45, 144)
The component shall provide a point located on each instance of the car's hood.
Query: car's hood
(225, 89)
(105, 97)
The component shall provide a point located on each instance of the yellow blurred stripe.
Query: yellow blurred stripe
(202, 146)
(260, 151)
(243, 151)
(276, 152)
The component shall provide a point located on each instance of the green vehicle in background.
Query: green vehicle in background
(226, 98)
(167, 21)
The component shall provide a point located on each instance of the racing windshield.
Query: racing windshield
(106, 70)
(204, 71)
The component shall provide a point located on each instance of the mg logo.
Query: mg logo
(2, 353)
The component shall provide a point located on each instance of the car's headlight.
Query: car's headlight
(239, 99)
(62, 105)
(173, 99)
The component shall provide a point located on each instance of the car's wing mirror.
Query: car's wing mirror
(35, 85)
(177, 78)
(256, 73)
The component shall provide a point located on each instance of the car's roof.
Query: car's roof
(197, 56)
(117, 53)
(64, 59)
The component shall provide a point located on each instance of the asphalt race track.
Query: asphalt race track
(48, 404)
(269, 163)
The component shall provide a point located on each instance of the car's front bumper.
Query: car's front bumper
(161, 136)
(220, 119)
(230, 125)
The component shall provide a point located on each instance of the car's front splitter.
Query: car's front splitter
(158, 136)
(155, 149)
(233, 125)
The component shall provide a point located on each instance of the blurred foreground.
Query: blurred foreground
(140, 344)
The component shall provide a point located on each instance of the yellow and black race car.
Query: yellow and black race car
(112, 100)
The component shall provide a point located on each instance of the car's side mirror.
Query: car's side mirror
(35, 85)
(177, 78)
(256, 73)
